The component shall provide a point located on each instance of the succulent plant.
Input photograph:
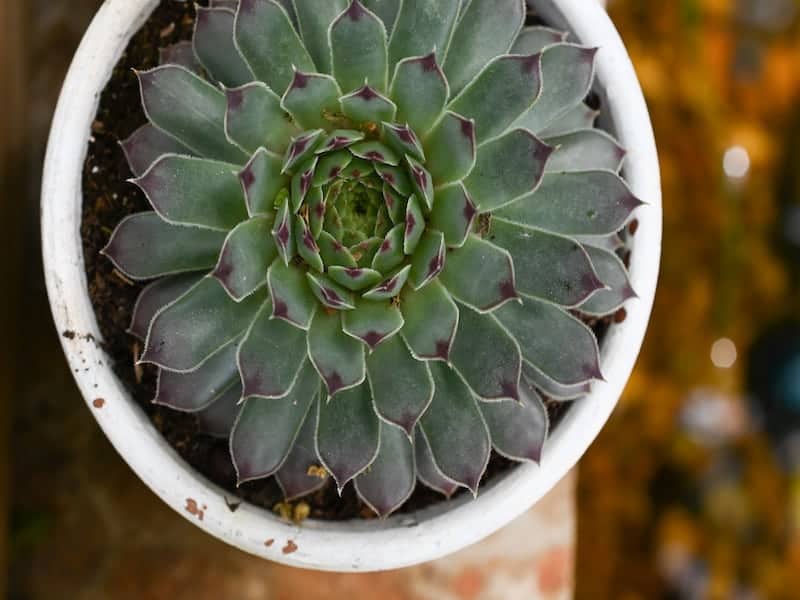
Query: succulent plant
(372, 222)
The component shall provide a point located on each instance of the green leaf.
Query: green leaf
(330, 294)
(394, 177)
(316, 211)
(292, 299)
(254, 118)
(453, 214)
(551, 388)
(195, 327)
(310, 98)
(214, 47)
(428, 260)
(421, 181)
(535, 39)
(518, 429)
(217, 420)
(556, 343)
(431, 319)
(330, 166)
(354, 279)
(402, 387)
(508, 168)
(358, 47)
(480, 274)
(420, 91)
(333, 252)
(391, 478)
(422, 26)
(266, 429)
(307, 246)
(146, 145)
(427, 471)
(455, 430)
(585, 150)
(389, 287)
(367, 105)
(375, 151)
(314, 18)
(283, 232)
(269, 43)
(245, 257)
(395, 205)
(143, 246)
(372, 322)
(385, 9)
(357, 169)
(301, 182)
(301, 149)
(156, 296)
(293, 477)
(261, 180)
(414, 225)
(505, 89)
(180, 54)
(339, 139)
(579, 118)
(390, 254)
(450, 148)
(200, 125)
(487, 29)
(612, 272)
(348, 434)
(364, 252)
(403, 140)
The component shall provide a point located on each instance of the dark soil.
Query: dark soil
(107, 200)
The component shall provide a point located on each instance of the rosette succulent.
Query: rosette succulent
(373, 222)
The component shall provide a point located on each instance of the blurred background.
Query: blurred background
(692, 491)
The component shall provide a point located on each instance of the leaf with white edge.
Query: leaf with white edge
(357, 169)
(307, 246)
(293, 477)
(156, 296)
(487, 29)
(518, 429)
(431, 319)
(301, 148)
(330, 166)
(181, 54)
(453, 214)
(427, 471)
(245, 257)
(200, 125)
(420, 91)
(269, 43)
(301, 182)
(391, 478)
(218, 419)
(266, 428)
(577, 119)
(507, 168)
(330, 294)
(262, 181)
(428, 260)
(575, 203)
(421, 181)
(364, 252)
(338, 358)
(455, 430)
(551, 388)
(355, 279)
(334, 253)
(394, 177)
(480, 274)
(310, 97)
(254, 118)
(389, 287)
(414, 225)
(611, 243)
(535, 39)
(548, 266)
(198, 325)
(423, 26)
(450, 148)
(613, 273)
(348, 434)
(367, 105)
(584, 150)
(191, 392)
(556, 343)
(143, 246)
(214, 47)
(567, 76)
(339, 139)
(390, 254)
(403, 140)
(314, 18)
(372, 322)
(146, 145)
(375, 151)
(316, 211)
(505, 89)
(395, 205)
(283, 232)
(385, 9)
(291, 297)
(358, 47)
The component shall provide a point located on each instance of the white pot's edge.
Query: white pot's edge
(354, 546)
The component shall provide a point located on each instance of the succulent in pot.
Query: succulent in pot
(375, 226)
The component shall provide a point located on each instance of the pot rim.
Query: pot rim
(353, 546)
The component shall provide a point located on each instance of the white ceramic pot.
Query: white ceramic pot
(360, 545)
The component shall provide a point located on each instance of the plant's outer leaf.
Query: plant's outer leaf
(551, 388)
(348, 434)
(291, 297)
(146, 145)
(338, 358)
(261, 180)
(301, 149)
(402, 388)
(245, 257)
(338, 140)
(613, 273)
(293, 477)
(585, 150)
(301, 182)
(453, 214)
(505, 89)
(480, 274)
(507, 168)
(269, 43)
(385, 9)
(214, 47)
(451, 149)
(334, 253)
(330, 294)
(518, 429)
(354, 279)
(200, 125)
(390, 254)
(283, 232)
(391, 478)
(420, 91)
(404, 141)
(421, 181)
(389, 287)
(431, 319)
(414, 225)
(267, 428)
(428, 260)
(487, 29)
(547, 266)
(185, 334)
(576, 119)
(314, 18)
(367, 105)
(310, 97)
(535, 39)
(358, 47)
(375, 151)
(486, 357)
(254, 118)
(455, 430)
(195, 391)
(217, 420)
(330, 166)
(559, 345)
(307, 246)
(156, 296)
(395, 205)
(143, 246)
(427, 471)
(580, 203)
(567, 75)
(372, 322)
(181, 54)
(422, 26)
(610, 243)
